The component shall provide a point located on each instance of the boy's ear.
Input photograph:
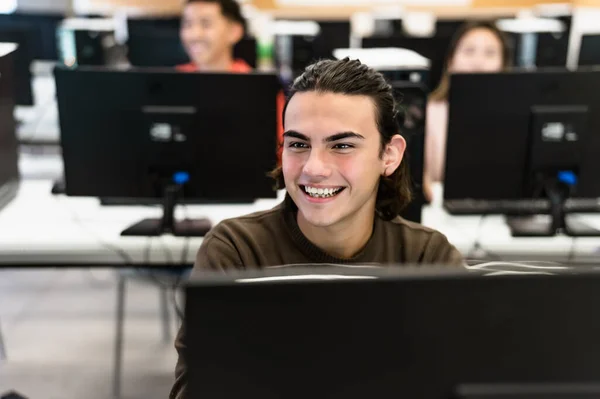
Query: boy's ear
(393, 155)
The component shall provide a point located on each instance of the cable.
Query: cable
(44, 110)
(125, 257)
(178, 310)
(471, 256)
(149, 274)
(186, 244)
(128, 261)
(571, 256)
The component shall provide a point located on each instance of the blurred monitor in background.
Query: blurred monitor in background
(589, 52)
(42, 28)
(24, 37)
(307, 49)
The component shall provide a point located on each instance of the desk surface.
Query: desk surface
(38, 228)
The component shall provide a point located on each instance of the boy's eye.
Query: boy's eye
(343, 146)
(297, 144)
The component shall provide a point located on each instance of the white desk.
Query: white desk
(38, 228)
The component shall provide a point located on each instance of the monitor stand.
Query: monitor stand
(555, 223)
(167, 224)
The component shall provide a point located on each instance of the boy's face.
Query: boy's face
(207, 35)
(332, 149)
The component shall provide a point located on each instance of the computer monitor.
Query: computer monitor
(164, 49)
(589, 52)
(551, 48)
(23, 58)
(146, 24)
(9, 154)
(356, 333)
(525, 135)
(308, 49)
(161, 134)
(43, 25)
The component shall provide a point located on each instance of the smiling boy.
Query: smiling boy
(346, 179)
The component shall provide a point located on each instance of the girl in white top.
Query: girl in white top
(476, 47)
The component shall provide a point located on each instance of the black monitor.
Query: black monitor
(9, 149)
(550, 51)
(163, 134)
(589, 51)
(146, 24)
(43, 27)
(551, 48)
(392, 333)
(308, 49)
(164, 49)
(24, 37)
(525, 135)
(156, 43)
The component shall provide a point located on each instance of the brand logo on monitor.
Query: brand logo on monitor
(557, 131)
(165, 132)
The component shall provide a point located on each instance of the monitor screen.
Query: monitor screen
(131, 133)
(392, 332)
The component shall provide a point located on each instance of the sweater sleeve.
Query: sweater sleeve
(439, 251)
(215, 253)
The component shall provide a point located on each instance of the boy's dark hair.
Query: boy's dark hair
(351, 77)
(229, 8)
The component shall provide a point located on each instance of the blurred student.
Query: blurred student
(210, 29)
(477, 47)
(347, 181)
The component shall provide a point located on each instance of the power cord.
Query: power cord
(471, 255)
(571, 256)
(125, 257)
(42, 114)
(186, 244)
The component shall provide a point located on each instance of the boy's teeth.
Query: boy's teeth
(321, 192)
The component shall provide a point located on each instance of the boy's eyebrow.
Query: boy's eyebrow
(344, 135)
(329, 139)
(296, 135)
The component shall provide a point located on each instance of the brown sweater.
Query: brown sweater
(273, 238)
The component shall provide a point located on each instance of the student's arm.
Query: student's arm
(439, 251)
(214, 254)
(435, 146)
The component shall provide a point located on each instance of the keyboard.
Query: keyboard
(518, 207)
